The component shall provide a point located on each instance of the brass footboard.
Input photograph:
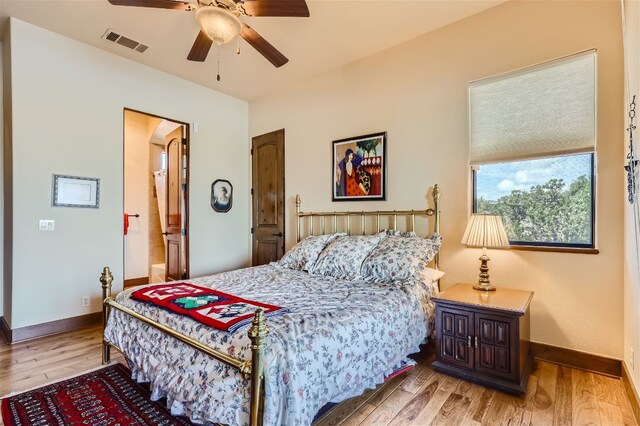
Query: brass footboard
(253, 369)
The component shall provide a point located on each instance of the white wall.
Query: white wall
(136, 193)
(631, 233)
(417, 92)
(68, 101)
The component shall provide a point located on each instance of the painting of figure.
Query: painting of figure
(359, 168)
(221, 195)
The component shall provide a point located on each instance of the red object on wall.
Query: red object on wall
(126, 223)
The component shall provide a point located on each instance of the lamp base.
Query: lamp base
(484, 287)
(483, 280)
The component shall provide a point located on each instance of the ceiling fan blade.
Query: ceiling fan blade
(200, 48)
(275, 8)
(160, 4)
(263, 46)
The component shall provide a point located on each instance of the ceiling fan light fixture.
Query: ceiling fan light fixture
(220, 25)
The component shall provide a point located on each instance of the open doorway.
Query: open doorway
(155, 199)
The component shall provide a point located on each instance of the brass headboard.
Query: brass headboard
(391, 216)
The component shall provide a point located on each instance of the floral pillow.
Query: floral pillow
(400, 258)
(304, 254)
(343, 258)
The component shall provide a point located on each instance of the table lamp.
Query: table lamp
(486, 231)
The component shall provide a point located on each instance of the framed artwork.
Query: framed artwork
(75, 191)
(221, 195)
(360, 168)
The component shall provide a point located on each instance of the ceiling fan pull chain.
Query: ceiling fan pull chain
(238, 47)
(218, 51)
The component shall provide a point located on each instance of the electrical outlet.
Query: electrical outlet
(46, 225)
(633, 359)
(85, 301)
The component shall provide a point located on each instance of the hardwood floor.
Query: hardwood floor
(556, 395)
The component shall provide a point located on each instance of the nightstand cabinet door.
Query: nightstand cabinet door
(494, 350)
(456, 340)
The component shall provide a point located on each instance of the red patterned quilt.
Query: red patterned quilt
(211, 307)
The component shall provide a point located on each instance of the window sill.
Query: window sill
(557, 249)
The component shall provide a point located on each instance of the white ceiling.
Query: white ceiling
(337, 33)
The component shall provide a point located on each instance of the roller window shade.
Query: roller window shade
(548, 109)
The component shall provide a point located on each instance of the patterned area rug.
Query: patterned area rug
(100, 398)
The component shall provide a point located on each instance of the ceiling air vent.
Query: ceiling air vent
(114, 37)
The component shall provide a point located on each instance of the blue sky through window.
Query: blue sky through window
(497, 180)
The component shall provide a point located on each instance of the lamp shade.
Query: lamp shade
(220, 25)
(485, 230)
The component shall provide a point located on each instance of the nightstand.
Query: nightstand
(483, 336)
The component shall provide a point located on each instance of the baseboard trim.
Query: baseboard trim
(5, 330)
(136, 281)
(631, 392)
(576, 359)
(53, 327)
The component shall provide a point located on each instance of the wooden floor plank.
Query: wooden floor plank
(416, 381)
(607, 397)
(452, 411)
(358, 417)
(480, 400)
(556, 395)
(584, 401)
(525, 405)
(562, 411)
(445, 387)
(388, 388)
(387, 410)
(501, 408)
(545, 393)
(623, 403)
(413, 408)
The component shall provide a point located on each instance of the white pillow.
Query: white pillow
(430, 275)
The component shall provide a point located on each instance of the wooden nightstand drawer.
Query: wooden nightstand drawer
(483, 337)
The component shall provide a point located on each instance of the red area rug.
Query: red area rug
(100, 398)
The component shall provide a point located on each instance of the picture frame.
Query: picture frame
(221, 195)
(360, 168)
(75, 191)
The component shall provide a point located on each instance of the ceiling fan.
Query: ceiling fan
(220, 22)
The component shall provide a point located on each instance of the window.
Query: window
(544, 202)
(532, 140)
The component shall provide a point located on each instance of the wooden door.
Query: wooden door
(267, 195)
(176, 222)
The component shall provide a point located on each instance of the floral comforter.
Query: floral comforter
(338, 338)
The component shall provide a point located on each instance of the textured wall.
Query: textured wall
(68, 102)
(417, 92)
(631, 230)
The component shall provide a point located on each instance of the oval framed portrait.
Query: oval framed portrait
(221, 195)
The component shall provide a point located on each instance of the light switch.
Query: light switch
(46, 225)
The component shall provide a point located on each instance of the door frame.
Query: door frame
(186, 152)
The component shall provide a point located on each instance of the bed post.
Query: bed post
(436, 201)
(106, 279)
(258, 334)
(298, 218)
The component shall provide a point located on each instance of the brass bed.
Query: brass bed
(253, 369)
